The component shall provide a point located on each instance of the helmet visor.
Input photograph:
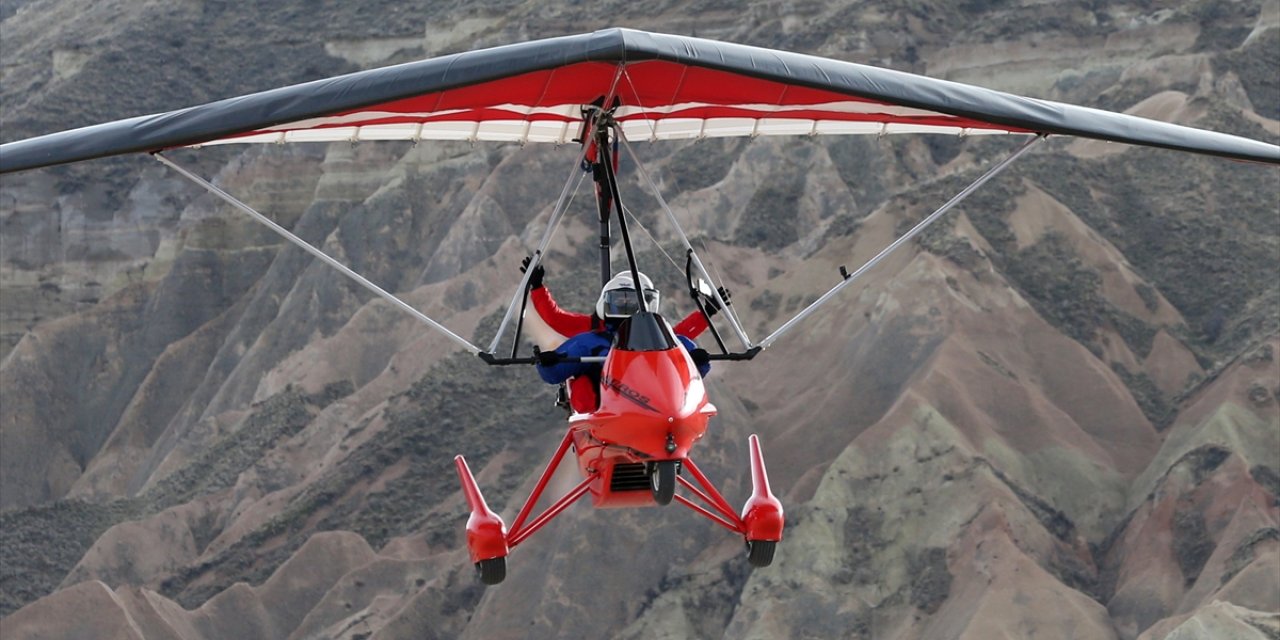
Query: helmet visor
(620, 303)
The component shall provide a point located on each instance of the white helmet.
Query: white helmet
(618, 297)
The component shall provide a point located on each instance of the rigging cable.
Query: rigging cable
(552, 225)
(644, 175)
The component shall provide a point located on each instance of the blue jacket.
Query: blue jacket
(594, 343)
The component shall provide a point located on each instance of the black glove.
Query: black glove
(700, 357)
(546, 358)
(713, 305)
(535, 278)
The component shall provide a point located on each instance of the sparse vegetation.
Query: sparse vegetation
(1247, 552)
(1255, 66)
(1191, 543)
(953, 248)
(1206, 259)
(767, 302)
(1209, 254)
(1137, 334)
(218, 465)
(1150, 299)
(930, 579)
(862, 540)
(1150, 399)
(1223, 24)
(1202, 461)
(770, 221)
(1064, 291)
(864, 166)
(1053, 520)
(453, 409)
(40, 545)
(698, 165)
(995, 364)
(1268, 478)
(1067, 566)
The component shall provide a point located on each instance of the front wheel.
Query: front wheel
(662, 480)
(760, 552)
(492, 571)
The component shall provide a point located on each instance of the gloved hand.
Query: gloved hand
(713, 305)
(535, 278)
(700, 357)
(546, 358)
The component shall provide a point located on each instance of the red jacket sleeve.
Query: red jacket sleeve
(566, 323)
(693, 325)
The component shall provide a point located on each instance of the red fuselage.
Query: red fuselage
(653, 406)
(631, 452)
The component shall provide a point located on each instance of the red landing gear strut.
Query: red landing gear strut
(489, 541)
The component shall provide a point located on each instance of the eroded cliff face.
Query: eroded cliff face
(1056, 412)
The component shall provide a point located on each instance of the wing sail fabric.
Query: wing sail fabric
(660, 100)
(668, 87)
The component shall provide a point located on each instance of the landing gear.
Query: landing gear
(762, 518)
(493, 570)
(662, 480)
(486, 533)
(760, 552)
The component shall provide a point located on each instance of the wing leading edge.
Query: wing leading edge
(668, 87)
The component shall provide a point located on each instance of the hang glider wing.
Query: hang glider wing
(668, 87)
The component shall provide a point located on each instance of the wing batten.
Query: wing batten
(680, 88)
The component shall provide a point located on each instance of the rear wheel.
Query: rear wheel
(760, 552)
(662, 480)
(492, 571)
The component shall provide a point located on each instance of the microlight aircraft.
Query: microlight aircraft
(603, 91)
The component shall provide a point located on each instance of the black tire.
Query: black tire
(760, 552)
(492, 571)
(662, 480)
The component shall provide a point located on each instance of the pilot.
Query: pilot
(568, 323)
(617, 302)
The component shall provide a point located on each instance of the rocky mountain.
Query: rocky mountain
(1057, 415)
